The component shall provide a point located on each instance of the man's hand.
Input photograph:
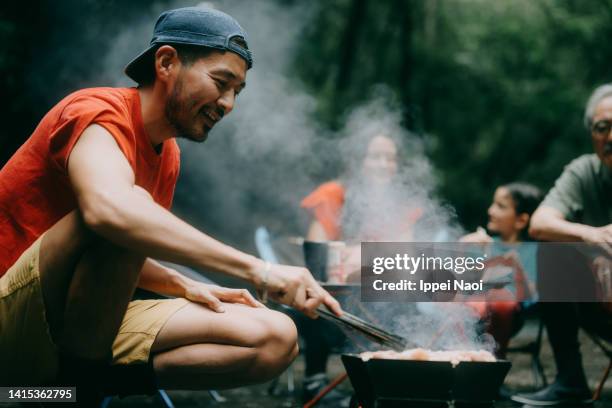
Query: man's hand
(295, 287)
(478, 237)
(212, 296)
(599, 235)
(351, 262)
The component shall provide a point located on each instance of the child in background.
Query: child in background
(509, 216)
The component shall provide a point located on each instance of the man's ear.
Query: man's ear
(167, 63)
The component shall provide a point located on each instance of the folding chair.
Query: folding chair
(166, 399)
(607, 350)
(163, 395)
(263, 244)
(533, 348)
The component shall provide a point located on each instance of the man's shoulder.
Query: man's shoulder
(584, 165)
(581, 175)
(115, 97)
(111, 106)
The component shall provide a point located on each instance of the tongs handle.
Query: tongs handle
(361, 326)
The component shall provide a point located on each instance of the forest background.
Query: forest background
(495, 90)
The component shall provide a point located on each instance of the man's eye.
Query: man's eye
(602, 126)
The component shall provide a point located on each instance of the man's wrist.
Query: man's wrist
(179, 283)
(586, 232)
(256, 272)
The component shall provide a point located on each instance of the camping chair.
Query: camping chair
(163, 395)
(166, 399)
(607, 350)
(533, 348)
(263, 243)
(267, 252)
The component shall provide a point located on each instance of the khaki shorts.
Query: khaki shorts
(28, 355)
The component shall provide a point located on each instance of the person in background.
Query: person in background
(362, 205)
(358, 207)
(577, 209)
(509, 217)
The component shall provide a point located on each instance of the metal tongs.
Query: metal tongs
(374, 333)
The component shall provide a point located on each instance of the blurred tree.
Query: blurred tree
(496, 89)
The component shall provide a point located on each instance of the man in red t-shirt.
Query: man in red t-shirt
(84, 207)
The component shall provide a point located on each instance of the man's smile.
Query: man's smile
(211, 117)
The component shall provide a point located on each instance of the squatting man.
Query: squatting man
(84, 209)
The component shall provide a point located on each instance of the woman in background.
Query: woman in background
(372, 202)
(369, 203)
(363, 205)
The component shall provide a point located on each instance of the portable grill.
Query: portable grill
(410, 383)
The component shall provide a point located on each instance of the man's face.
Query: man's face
(601, 131)
(203, 93)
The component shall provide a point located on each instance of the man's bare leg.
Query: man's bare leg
(61, 249)
(87, 283)
(100, 290)
(201, 349)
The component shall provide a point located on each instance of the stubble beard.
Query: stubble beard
(174, 107)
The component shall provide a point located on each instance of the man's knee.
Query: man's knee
(277, 346)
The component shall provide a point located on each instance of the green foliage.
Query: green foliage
(496, 88)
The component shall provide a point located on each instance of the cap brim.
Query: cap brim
(140, 69)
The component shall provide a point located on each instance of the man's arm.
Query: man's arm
(158, 278)
(316, 232)
(112, 206)
(549, 224)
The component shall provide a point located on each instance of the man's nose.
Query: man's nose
(226, 101)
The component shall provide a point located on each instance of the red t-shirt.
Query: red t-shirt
(325, 203)
(35, 190)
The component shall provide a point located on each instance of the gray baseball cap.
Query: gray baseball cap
(200, 26)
